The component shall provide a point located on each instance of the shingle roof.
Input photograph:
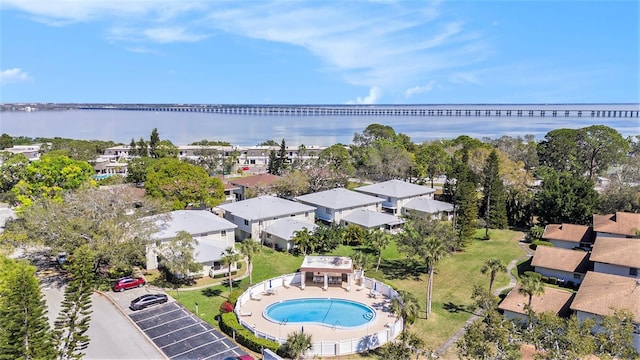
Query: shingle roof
(255, 180)
(397, 189)
(567, 232)
(600, 293)
(265, 207)
(285, 228)
(370, 218)
(617, 251)
(429, 205)
(339, 199)
(561, 259)
(620, 223)
(553, 300)
(191, 221)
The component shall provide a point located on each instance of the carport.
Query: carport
(182, 335)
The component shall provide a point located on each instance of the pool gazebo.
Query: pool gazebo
(327, 270)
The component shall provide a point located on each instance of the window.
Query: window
(223, 233)
(577, 276)
(246, 222)
(633, 271)
(306, 214)
(327, 210)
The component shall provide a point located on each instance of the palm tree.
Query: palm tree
(303, 239)
(530, 286)
(493, 267)
(379, 240)
(249, 248)
(406, 307)
(297, 344)
(230, 257)
(413, 342)
(432, 251)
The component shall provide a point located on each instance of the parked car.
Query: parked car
(127, 283)
(241, 357)
(144, 301)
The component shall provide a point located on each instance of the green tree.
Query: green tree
(559, 151)
(50, 176)
(142, 148)
(530, 286)
(484, 299)
(249, 249)
(297, 344)
(25, 332)
(354, 235)
(615, 337)
(493, 199)
(293, 184)
(565, 198)
(432, 160)
(113, 222)
(133, 151)
(378, 240)
(405, 306)
(422, 243)
(137, 169)
(6, 141)
(72, 324)
(466, 212)
(12, 170)
(154, 139)
(165, 148)
(182, 184)
(178, 255)
(303, 239)
(493, 267)
(230, 257)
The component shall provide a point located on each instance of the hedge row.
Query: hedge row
(229, 324)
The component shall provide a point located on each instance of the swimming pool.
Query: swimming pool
(339, 313)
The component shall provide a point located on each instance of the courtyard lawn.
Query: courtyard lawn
(454, 279)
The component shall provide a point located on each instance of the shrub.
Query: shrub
(226, 307)
(553, 280)
(545, 279)
(229, 325)
(533, 274)
(233, 297)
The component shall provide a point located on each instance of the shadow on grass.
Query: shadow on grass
(455, 308)
(402, 269)
(211, 292)
(525, 266)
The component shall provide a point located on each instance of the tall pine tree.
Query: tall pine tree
(24, 328)
(70, 336)
(494, 198)
(154, 139)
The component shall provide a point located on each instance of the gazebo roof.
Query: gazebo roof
(334, 264)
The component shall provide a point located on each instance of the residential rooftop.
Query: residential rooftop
(195, 222)
(561, 259)
(617, 251)
(397, 189)
(371, 219)
(327, 263)
(430, 206)
(553, 300)
(265, 207)
(601, 293)
(285, 228)
(339, 198)
(567, 232)
(620, 223)
(255, 180)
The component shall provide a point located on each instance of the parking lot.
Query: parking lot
(182, 335)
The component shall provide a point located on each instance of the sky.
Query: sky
(320, 52)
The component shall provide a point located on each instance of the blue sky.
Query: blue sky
(320, 52)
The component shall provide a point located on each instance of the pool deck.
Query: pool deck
(254, 307)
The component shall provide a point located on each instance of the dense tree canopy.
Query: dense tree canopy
(183, 184)
(565, 198)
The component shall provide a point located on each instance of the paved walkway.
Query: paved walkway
(512, 283)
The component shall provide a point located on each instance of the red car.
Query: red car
(128, 283)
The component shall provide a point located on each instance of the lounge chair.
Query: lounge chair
(257, 296)
(247, 313)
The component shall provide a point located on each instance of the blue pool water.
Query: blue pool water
(331, 312)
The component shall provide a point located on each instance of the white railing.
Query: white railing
(326, 348)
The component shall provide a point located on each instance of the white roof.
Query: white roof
(194, 222)
(318, 263)
(286, 227)
(370, 218)
(429, 205)
(339, 199)
(396, 188)
(207, 251)
(265, 207)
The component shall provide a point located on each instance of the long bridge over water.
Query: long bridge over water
(498, 110)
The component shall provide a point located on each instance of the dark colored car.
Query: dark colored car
(128, 283)
(144, 301)
(241, 357)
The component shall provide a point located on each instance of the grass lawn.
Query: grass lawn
(453, 281)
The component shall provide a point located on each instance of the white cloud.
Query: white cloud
(13, 76)
(419, 89)
(374, 95)
(171, 34)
